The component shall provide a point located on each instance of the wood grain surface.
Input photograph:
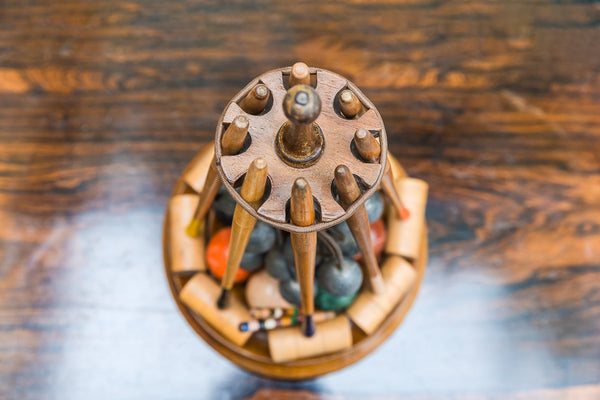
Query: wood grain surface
(496, 104)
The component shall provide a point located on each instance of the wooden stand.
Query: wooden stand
(253, 353)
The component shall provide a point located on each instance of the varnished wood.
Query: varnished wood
(367, 146)
(358, 223)
(494, 104)
(302, 213)
(253, 189)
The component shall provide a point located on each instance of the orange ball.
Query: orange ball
(217, 252)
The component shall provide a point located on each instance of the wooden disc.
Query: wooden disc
(338, 132)
(254, 355)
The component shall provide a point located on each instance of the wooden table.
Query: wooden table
(495, 104)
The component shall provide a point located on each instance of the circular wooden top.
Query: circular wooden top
(338, 132)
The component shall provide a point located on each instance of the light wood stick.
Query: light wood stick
(302, 213)
(232, 141)
(369, 310)
(243, 223)
(405, 236)
(299, 75)
(349, 104)
(256, 100)
(387, 183)
(289, 344)
(358, 223)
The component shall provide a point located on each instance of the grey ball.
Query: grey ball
(288, 253)
(277, 266)
(344, 280)
(252, 261)
(261, 239)
(290, 291)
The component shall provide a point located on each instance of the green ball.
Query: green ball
(326, 301)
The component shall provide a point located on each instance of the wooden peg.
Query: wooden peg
(299, 75)
(256, 100)
(243, 223)
(358, 223)
(387, 183)
(349, 104)
(232, 141)
(368, 147)
(302, 213)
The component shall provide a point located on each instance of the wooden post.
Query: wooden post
(243, 223)
(369, 149)
(232, 142)
(302, 213)
(256, 100)
(358, 223)
(299, 75)
(349, 104)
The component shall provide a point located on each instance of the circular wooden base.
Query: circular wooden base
(254, 355)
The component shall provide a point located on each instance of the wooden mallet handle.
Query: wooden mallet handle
(299, 75)
(349, 104)
(302, 213)
(358, 223)
(256, 100)
(369, 149)
(232, 142)
(243, 223)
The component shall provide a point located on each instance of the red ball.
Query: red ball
(378, 238)
(217, 252)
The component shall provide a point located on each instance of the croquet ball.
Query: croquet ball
(340, 280)
(224, 206)
(217, 252)
(261, 239)
(290, 291)
(277, 266)
(327, 301)
(252, 261)
(378, 238)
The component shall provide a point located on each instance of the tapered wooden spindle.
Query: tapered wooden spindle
(299, 75)
(358, 223)
(231, 143)
(369, 149)
(255, 101)
(387, 183)
(302, 213)
(243, 223)
(349, 104)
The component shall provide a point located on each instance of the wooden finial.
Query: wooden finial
(349, 104)
(387, 183)
(299, 141)
(243, 223)
(368, 147)
(299, 75)
(232, 141)
(358, 223)
(256, 100)
(302, 213)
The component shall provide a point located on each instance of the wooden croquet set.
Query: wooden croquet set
(295, 243)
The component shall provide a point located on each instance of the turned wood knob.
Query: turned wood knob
(300, 141)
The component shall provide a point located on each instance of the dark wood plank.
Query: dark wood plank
(495, 104)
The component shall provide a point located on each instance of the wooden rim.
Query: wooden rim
(299, 369)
